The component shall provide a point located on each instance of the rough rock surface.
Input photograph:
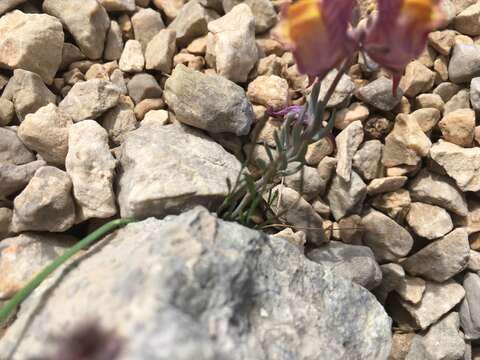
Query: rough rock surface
(146, 186)
(205, 284)
(223, 108)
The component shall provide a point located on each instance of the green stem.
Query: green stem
(20, 296)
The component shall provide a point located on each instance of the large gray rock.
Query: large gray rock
(388, 240)
(442, 259)
(14, 178)
(353, 262)
(470, 308)
(31, 42)
(438, 190)
(464, 63)
(223, 107)
(221, 290)
(167, 169)
(87, 21)
(379, 94)
(461, 164)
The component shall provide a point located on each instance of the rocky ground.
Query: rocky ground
(140, 108)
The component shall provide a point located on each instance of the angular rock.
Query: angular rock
(231, 43)
(143, 86)
(353, 262)
(429, 221)
(430, 100)
(475, 93)
(354, 112)
(463, 165)
(437, 300)
(263, 10)
(468, 21)
(343, 91)
(438, 190)
(306, 181)
(446, 90)
(395, 204)
(348, 142)
(160, 51)
(91, 167)
(119, 121)
(367, 160)
(442, 259)
(118, 5)
(442, 41)
(170, 8)
(88, 22)
(442, 341)
(325, 169)
(379, 94)
(271, 91)
(14, 178)
(427, 118)
(229, 274)
(191, 22)
(46, 204)
(225, 109)
(458, 127)
(388, 240)
(464, 63)
(27, 92)
(346, 197)
(23, 256)
(188, 169)
(32, 42)
(132, 59)
(460, 100)
(406, 144)
(89, 99)
(9, 4)
(417, 79)
(386, 184)
(46, 132)
(12, 150)
(146, 24)
(114, 42)
(469, 309)
(7, 112)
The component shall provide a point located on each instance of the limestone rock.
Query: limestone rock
(10, 4)
(388, 240)
(469, 309)
(27, 92)
(438, 190)
(406, 143)
(132, 59)
(114, 42)
(160, 51)
(146, 24)
(386, 184)
(348, 142)
(354, 112)
(143, 86)
(442, 41)
(263, 10)
(417, 79)
(14, 178)
(395, 204)
(379, 94)
(367, 160)
(119, 121)
(437, 300)
(463, 165)
(32, 42)
(442, 259)
(458, 127)
(468, 21)
(225, 109)
(118, 5)
(356, 263)
(475, 93)
(88, 22)
(429, 221)
(343, 91)
(427, 118)
(460, 100)
(46, 132)
(89, 99)
(270, 91)
(23, 256)
(12, 150)
(267, 282)
(7, 112)
(307, 182)
(46, 204)
(231, 43)
(91, 167)
(346, 197)
(188, 169)
(464, 64)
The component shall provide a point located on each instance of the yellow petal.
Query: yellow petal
(302, 18)
(422, 11)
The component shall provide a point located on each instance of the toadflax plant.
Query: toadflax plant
(318, 34)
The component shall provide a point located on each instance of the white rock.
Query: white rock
(429, 221)
(160, 51)
(132, 59)
(146, 24)
(91, 167)
(348, 142)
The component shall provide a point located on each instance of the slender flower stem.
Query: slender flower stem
(20, 296)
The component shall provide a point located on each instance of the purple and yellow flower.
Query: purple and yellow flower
(399, 32)
(316, 33)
